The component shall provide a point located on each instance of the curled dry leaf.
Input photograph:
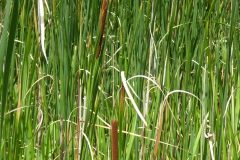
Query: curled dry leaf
(41, 27)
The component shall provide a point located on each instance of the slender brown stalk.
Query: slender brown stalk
(102, 23)
(19, 100)
(40, 114)
(77, 151)
(76, 156)
(158, 132)
(114, 140)
(61, 140)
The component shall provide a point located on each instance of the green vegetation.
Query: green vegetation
(167, 72)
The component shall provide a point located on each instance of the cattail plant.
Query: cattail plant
(114, 138)
(102, 23)
(129, 79)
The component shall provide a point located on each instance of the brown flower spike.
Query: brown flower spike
(114, 140)
(102, 22)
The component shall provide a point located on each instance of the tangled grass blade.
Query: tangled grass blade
(124, 81)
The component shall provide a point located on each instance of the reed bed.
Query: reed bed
(105, 79)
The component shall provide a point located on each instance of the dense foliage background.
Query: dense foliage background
(168, 71)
